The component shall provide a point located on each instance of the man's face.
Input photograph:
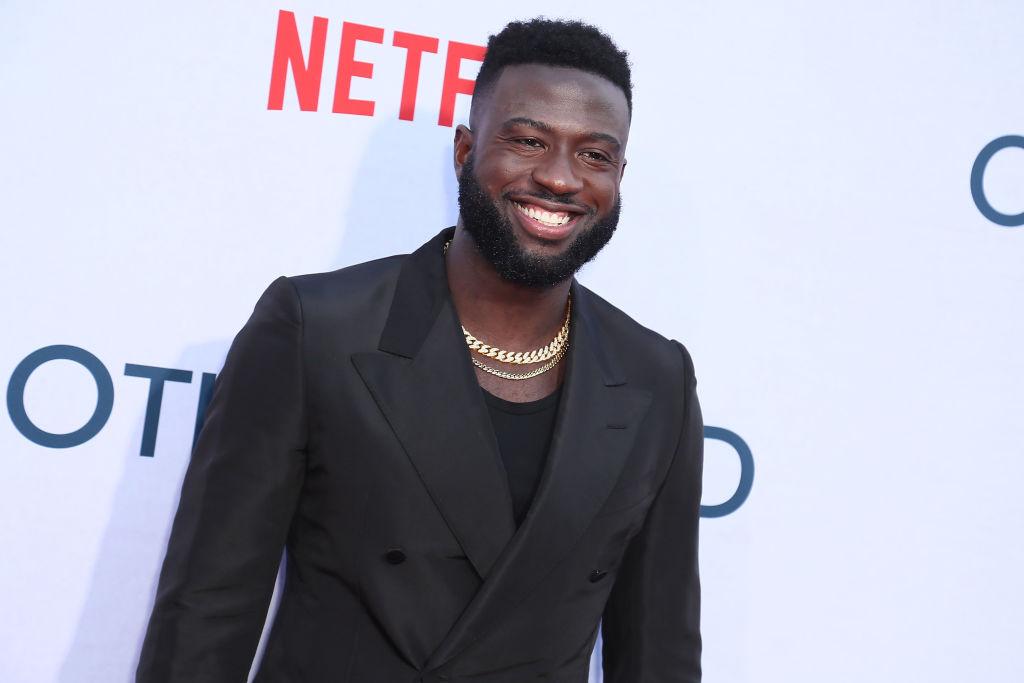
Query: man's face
(539, 174)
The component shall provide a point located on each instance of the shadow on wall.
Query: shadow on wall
(404, 192)
(121, 590)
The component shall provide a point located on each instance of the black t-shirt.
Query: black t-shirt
(524, 433)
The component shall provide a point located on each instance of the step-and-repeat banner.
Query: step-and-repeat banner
(825, 203)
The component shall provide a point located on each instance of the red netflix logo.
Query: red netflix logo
(307, 72)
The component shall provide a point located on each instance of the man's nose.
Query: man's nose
(556, 172)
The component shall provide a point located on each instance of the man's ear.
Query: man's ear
(463, 147)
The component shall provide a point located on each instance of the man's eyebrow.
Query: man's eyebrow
(540, 125)
(610, 139)
(529, 123)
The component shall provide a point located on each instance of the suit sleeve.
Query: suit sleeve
(651, 624)
(236, 506)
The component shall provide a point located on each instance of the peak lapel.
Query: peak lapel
(424, 384)
(596, 426)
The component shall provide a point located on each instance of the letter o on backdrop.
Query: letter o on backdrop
(978, 177)
(16, 396)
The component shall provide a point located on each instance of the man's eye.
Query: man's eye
(596, 156)
(529, 142)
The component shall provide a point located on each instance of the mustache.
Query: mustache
(564, 200)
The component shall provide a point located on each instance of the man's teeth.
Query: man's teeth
(553, 220)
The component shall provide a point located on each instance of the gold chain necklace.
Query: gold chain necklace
(523, 357)
(521, 375)
(553, 352)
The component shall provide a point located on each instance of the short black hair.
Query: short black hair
(555, 42)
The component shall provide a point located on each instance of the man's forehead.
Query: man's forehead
(557, 96)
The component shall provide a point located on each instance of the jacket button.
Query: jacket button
(395, 556)
(597, 575)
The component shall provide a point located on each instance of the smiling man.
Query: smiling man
(470, 461)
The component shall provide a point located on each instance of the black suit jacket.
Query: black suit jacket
(347, 428)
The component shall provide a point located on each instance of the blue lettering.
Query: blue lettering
(978, 176)
(16, 396)
(157, 377)
(205, 392)
(746, 473)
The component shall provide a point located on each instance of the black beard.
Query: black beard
(495, 237)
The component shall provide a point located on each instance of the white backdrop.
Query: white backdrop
(797, 211)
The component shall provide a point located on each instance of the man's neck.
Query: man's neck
(510, 316)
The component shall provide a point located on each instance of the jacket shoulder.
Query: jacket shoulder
(348, 290)
(345, 309)
(643, 352)
(313, 287)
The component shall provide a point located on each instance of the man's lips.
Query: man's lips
(546, 220)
